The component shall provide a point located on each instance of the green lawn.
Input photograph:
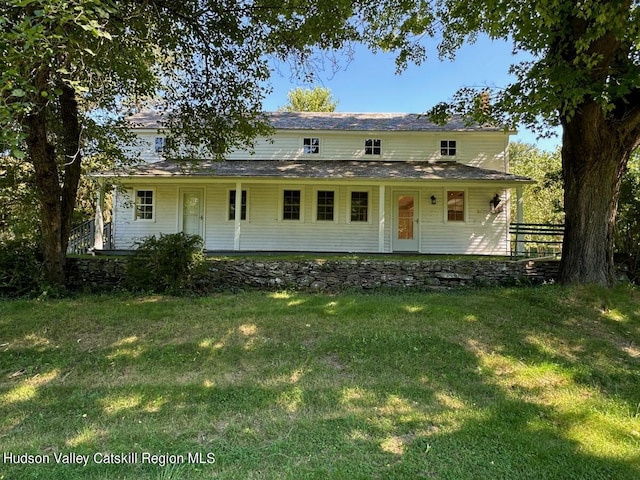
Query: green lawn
(522, 383)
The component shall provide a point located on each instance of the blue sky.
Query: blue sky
(368, 83)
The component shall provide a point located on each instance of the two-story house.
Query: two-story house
(330, 182)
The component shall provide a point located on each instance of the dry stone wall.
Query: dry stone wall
(104, 273)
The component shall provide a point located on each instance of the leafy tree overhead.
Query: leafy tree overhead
(62, 62)
(582, 73)
(318, 99)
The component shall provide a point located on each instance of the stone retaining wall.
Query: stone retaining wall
(101, 273)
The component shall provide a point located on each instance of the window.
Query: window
(311, 146)
(159, 145)
(326, 204)
(455, 206)
(232, 205)
(448, 148)
(291, 206)
(359, 206)
(372, 146)
(144, 205)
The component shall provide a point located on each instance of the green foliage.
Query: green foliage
(20, 268)
(318, 99)
(170, 264)
(627, 233)
(19, 209)
(543, 201)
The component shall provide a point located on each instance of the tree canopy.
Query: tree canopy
(204, 63)
(72, 71)
(317, 99)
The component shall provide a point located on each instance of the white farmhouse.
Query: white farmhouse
(330, 182)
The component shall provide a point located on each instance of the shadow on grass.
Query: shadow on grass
(509, 384)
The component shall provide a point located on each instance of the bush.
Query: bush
(173, 264)
(21, 271)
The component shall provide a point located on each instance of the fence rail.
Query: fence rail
(82, 237)
(536, 239)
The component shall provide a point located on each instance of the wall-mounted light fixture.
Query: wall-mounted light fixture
(496, 204)
(433, 199)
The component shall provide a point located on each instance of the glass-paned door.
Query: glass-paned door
(191, 212)
(405, 238)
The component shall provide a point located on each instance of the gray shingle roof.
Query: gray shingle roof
(329, 169)
(340, 121)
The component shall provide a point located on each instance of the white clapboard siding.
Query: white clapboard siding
(478, 149)
(482, 232)
(266, 230)
(129, 230)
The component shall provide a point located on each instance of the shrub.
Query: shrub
(173, 264)
(21, 271)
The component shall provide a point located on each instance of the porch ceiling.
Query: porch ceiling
(320, 170)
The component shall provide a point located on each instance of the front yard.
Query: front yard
(480, 384)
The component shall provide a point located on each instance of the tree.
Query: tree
(628, 222)
(318, 99)
(544, 198)
(581, 73)
(72, 71)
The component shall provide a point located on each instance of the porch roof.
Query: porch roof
(319, 170)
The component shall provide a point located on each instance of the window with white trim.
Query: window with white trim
(455, 206)
(326, 202)
(372, 146)
(145, 207)
(359, 207)
(232, 205)
(311, 145)
(291, 205)
(448, 148)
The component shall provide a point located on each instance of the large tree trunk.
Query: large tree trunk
(43, 157)
(57, 195)
(594, 156)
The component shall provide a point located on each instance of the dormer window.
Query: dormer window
(372, 146)
(311, 145)
(159, 144)
(448, 148)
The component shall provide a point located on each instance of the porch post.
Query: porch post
(519, 219)
(238, 216)
(98, 240)
(381, 217)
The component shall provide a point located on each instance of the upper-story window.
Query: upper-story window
(372, 146)
(448, 148)
(159, 144)
(311, 145)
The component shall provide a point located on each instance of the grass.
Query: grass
(516, 383)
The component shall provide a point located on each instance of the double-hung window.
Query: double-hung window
(145, 206)
(455, 206)
(160, 143)
(359, 207)
(232, 205)
(326, 205)
(291, 205)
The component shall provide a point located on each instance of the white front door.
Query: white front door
(405, 222)
(191, 211)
